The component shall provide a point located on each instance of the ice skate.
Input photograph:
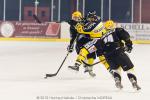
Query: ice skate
(75, 67)
(134, 84)
(89, 70)
(118, 83)
(91, 73)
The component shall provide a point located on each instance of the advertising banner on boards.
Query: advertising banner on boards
(137, 31)
(29, 29)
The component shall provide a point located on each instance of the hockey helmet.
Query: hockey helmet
(76, 15)
(109, 24)
(91, 16)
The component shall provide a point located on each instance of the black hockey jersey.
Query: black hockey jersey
(115, 40)
(75, 35)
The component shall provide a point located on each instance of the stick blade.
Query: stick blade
(49, 75)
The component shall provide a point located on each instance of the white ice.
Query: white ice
(23, 66)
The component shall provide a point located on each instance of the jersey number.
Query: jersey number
(109, 39)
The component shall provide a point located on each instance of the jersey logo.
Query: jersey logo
(90, 26)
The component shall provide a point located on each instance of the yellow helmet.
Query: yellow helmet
(109, 24)
(77, 14)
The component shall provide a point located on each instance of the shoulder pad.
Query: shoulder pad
(119, 29)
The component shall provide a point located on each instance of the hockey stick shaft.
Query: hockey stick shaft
(51, 75)
(101, 60)
(62, 63)
(92, 64)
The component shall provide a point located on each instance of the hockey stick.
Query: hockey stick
(51, 75)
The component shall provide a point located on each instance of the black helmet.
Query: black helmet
(91, 14)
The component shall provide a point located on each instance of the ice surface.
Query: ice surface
(24, 64)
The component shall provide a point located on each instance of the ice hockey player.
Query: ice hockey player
(109, 44)
(80, 40)
(114, 44)
(92, 20)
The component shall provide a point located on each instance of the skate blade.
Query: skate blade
(120, 88)
(49, 75)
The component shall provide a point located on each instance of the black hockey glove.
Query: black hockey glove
(128, 47)
(70, 48)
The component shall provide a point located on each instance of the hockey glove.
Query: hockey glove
(70, 48)
(128, 48)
